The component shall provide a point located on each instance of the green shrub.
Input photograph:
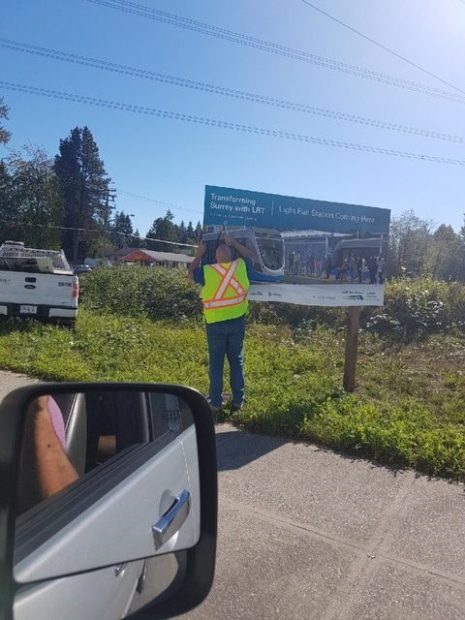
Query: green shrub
(141, 291)
(415, 308)
(295, 315)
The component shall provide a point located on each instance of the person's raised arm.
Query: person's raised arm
(195, 264)
(242, 249)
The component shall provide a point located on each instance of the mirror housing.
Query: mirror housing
(200, 559)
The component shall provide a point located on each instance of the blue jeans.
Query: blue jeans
(226, 339)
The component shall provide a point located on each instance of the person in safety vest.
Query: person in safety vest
(224, 296)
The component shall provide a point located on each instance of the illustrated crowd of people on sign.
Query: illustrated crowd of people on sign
(309, 265)
(353, 268)
(358, 268)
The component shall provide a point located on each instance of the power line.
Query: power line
(274, 48)
(186, 245)
(220, 124)
(382, 46)
(161, 203)
(97, 231)
(226, 92)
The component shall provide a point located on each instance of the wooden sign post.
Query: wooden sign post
(350, 366)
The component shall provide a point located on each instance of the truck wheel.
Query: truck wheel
(68, 323)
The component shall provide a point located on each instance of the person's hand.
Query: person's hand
(201, 249)
(244, 251)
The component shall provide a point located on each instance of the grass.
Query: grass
(409, 408)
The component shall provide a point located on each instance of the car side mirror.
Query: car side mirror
(111, 488)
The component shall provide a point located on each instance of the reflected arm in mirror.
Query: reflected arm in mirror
(45, 468)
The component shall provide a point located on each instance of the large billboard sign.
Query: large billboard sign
(302, 245)
(255, 209)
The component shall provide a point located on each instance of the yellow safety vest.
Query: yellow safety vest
(224, 294)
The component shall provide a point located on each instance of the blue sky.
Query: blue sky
(171, 161)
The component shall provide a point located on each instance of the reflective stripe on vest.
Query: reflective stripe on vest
(223, 303)
(223, 300)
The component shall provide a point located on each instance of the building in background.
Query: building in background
(150, 258)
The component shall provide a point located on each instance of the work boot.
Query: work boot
(216, 411)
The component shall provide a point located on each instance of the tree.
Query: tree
(198, 232)
(462, 252)
(8, 206)
(182, 232)
(35, 198)
(121, 230)
(164, 228)
(85, 190)
(190, 233)
(409, 239)
(443, 259)
(4, 134)
(137, 241)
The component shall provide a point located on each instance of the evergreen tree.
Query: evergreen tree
(85, 190)
(198, 232)
(190, 233)
(165, 229)
(182, 232)
(121, 230)
(136, 241)
(4, 134)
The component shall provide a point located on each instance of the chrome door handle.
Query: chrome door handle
(120, 569)
(172, 520)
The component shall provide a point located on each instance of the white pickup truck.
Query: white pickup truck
(37, 284)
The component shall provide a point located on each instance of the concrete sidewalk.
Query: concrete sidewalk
(307, 534)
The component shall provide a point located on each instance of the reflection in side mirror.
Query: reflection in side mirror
(68, 435)
(105, 477)
(108, 501)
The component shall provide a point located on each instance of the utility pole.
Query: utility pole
(350, 365)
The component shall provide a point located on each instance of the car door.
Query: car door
(104, 594)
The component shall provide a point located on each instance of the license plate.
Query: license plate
(28, 309)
